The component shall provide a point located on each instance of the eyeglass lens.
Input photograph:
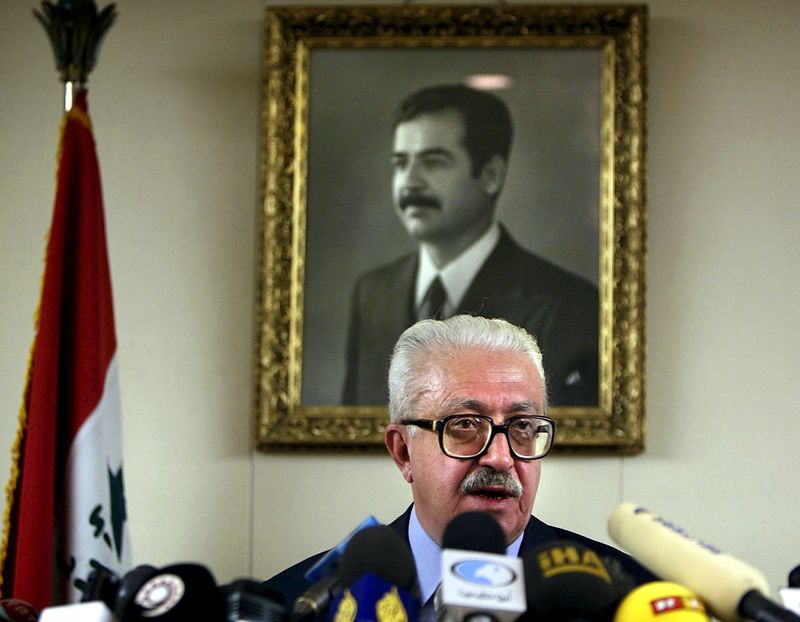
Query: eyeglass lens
(467, 436)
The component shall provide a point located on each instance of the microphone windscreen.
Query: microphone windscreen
(474, 531)
(250, 600)
(102, 584)
(129, 585)
(566, 580)
(381, 551)
(662, 601)
(179, 592)
(16, 610)
(794, 577)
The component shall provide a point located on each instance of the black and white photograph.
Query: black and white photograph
(528, 213)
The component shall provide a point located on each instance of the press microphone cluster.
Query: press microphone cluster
(174, 593)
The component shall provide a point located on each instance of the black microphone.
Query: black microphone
(315, 599)
(248, 600)
(790, 595)
(567, 581)
(474, 531)
(131, 581)
(479, 582)
(794, 577)
(177, 593)
(378, 578)
(324, 578)
(102, 584)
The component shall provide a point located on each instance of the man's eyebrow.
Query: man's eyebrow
(431, 151)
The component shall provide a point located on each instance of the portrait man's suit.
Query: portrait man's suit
(559, 308)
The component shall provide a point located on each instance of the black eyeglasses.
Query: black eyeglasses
(530, 437)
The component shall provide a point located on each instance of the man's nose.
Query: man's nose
(498, 454)
(413, 175)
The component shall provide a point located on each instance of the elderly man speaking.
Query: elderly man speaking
(468, 430)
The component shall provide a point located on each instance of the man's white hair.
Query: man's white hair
(429, 338)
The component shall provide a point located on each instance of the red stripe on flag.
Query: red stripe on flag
(74, 343)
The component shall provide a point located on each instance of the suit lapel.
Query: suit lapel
(496, 290)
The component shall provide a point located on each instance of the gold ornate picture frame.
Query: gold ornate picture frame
(332, 79)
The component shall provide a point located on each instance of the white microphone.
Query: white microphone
(94, 611)
(790, 595)
(476, 584)
(732, 589)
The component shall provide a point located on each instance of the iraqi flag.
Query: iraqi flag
(65, 506)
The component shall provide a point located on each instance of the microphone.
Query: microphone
(95, 611)
(794, 577)
(731, 589)
(16, 610)
(479, 582)
(323, 575)
(101, 584)
(661, 601)
(378, 579)
(176, 593)
(249, 600)
(129, 585)
(567, 581)
(790, 595)
(315, 599)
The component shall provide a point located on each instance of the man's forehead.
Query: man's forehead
(481, 381)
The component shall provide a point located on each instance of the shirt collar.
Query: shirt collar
(457, 275)
(427, 556)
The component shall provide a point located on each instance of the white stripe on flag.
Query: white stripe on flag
(96, 520)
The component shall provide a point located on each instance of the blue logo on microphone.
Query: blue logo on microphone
(484, 573)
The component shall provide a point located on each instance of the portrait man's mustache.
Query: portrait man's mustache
(418, 200)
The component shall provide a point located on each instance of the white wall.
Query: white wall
(175, 103)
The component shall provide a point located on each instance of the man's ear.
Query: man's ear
(493, 175)
(397, 444)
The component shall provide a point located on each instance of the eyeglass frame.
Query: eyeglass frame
(438, 425)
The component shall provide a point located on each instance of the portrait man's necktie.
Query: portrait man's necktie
(433, 303)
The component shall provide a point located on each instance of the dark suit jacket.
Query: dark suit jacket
(291, 583)
(559, 308)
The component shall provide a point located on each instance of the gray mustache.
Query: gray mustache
(485, 477)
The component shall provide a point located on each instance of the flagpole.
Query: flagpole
(76, 30)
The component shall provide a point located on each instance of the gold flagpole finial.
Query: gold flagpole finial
(75, 29)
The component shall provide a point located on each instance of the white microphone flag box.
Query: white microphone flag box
(95, 611)
(482, 582)
(791, 598)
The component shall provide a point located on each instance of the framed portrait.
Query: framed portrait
(337, 262)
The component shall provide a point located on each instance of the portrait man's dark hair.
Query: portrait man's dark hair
(487, 120)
